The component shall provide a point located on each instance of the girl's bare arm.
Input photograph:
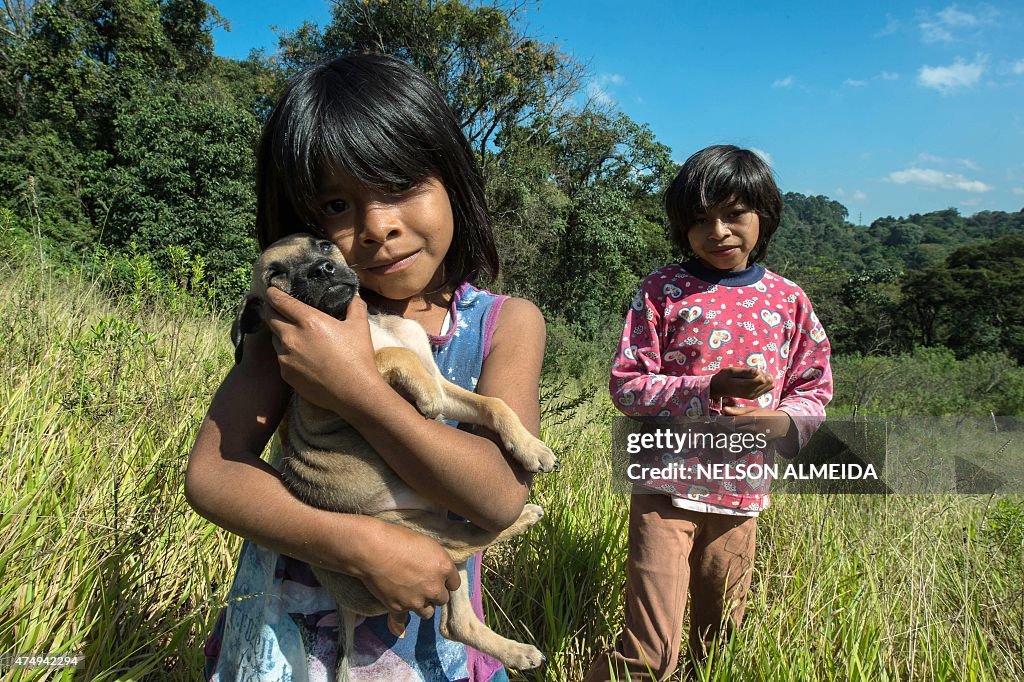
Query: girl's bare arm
(468, 472)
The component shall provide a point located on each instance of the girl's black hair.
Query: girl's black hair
(718, 174)
(387, 125)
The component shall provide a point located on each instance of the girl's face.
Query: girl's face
(395, 241)
(725, 235)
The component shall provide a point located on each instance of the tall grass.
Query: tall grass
(101, 555)
(845, 587)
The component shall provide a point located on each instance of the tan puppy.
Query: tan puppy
(327, 464)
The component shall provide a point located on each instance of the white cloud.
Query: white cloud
(599, 88)
(786, 82)
(925, 157)
(889, 75)
(956, 76)
(935, 33)
(599, 94)
(943, 26)
(854, 83)
(891, 26)
(763, 154)
(928, 177)
(951, 16)
(1018, 190)
(856, 196)
(938, 28)
(1018, 67)
(970, 202)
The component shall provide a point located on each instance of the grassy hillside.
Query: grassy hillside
(100, 554)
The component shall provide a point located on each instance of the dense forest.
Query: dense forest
(126, 147)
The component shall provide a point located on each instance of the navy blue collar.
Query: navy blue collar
(740, 278)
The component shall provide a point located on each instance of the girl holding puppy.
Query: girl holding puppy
(715, 334)
(365, 152)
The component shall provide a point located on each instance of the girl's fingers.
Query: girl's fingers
(397, 620)
(278, 346)
(453, 581)
(283, 303)
(275, 320)
(357, 309)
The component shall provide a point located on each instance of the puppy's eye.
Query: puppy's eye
(324, 246)
(273, 274)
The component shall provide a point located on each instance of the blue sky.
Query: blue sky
(891, 109)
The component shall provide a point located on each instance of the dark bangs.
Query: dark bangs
(716, 175)
(381, 121)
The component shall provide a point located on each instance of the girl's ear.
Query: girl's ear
(249, 321)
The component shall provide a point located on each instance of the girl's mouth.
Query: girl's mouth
(395, 266)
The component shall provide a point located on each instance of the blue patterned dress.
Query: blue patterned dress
(281, 626)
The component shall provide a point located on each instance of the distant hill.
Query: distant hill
(815, 231)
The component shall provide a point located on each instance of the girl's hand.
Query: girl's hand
(772, 423)
(406, 571)
(741, 382)
(328, 362)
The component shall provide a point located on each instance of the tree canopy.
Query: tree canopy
(122, 130)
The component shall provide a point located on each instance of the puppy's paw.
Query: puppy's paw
(532, 513)
(534, 455)
(522, 657)
(428, 407)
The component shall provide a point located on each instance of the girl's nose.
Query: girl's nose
(380, 223)
(719, 228)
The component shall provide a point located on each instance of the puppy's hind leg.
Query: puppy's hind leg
(460, 623)
(461, 539)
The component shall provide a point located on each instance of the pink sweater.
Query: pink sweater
(687, 322)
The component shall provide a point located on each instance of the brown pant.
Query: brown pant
(671, 550)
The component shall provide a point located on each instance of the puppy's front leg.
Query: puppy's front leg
(404, 372)
(495, 414)
(435, 396)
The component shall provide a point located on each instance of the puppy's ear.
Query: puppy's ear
(249, 321)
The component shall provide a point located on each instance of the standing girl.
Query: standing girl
(715, 334)
(365, 151)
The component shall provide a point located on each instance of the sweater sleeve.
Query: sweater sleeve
(807, 386)
(638, 386)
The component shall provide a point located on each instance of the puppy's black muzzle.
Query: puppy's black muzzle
(326, 285)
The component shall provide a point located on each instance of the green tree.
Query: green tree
(972, 304)
(183, 175)
(495, 77)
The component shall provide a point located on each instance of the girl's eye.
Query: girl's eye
(334, 207)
